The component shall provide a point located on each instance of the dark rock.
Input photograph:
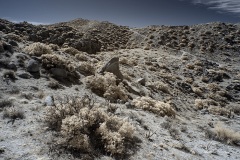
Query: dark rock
(59, 72)
(8, 47)
(33, 66)
(13, 43)
(184, 87)
(12, 65)
(113, 67)
(23, 74)
(233, 87)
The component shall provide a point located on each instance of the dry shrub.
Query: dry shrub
(5, 103)
(217, 110)
(129, 62)
(9, 74)
(235, 108)
(162, 87)
(226, 135)
(38, 49)
(106, 86)
(197, 91)
(1, 47)
(204, 103)
(157, 107)
(185, 56)
(213, 87)
(71, 51)
(14, 37)
(54, 47)
(87, 128)
(86, 68)
(54, 61)
(159, 86)
(81, 56)
(54, 85)
(13, 113)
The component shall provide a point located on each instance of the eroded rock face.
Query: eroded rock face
(113, 67)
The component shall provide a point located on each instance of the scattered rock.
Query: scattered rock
(23, 74)
(59, 72)
(131, 88)
(12, 66)
(8, 47)
(141, 81)
(49, 101)
(33, 66)
(13, 43)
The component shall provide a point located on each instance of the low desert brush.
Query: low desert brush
(9, 74)
(87, 128)
(13, 113)
(86, 68)
(106, 86)
(38, 49)
(226, 135)
(71, 51)
(5, 103)
(157, 107)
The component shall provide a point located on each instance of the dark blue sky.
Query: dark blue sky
(134, 13)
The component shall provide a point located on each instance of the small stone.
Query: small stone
(23, 74)
(49, 101)
(141, 81)
(33, 66)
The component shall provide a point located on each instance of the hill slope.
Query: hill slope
(87, 89)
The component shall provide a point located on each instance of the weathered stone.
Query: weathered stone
(12, 65)
(8, 47)
(23, 74)
(49, 101)
(59, 72)
(131, 88)
(113, 67)
(141, 81)
(33, 66)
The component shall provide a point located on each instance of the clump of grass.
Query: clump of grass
(13, 113)
(14, 90)
(5, 103)
(226, 135)
(54, 85)
(9, 75)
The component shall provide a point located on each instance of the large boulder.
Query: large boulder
(113, 67)
(33, 66)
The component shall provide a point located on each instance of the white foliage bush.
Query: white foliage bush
(157, 107)
(80, 121)
(105, 85)
(38, 49)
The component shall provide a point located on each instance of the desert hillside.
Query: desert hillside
(95, 90)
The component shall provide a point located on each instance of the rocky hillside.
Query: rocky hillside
(95, 90)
